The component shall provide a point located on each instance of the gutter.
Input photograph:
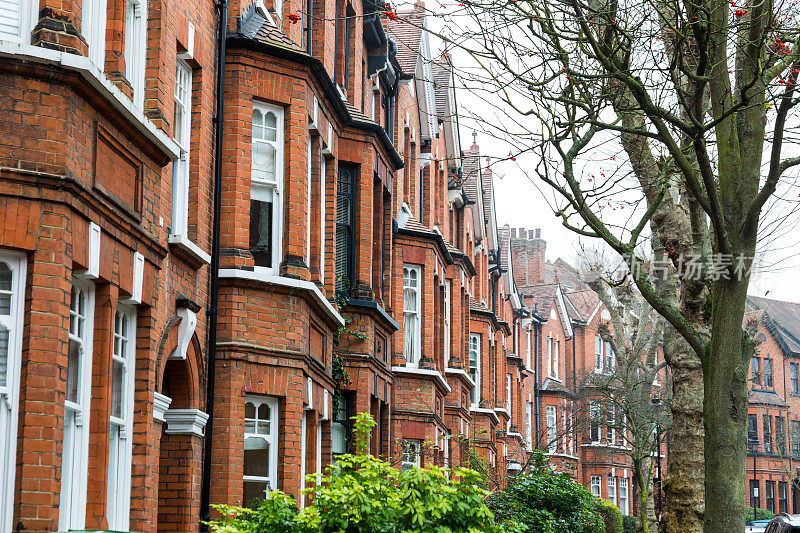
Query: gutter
(205, 490)
(536, 335)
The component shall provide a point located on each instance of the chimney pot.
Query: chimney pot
(513, 233)
(531, 234)
(538, 232)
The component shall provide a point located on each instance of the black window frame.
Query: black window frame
(755, 494)
(769, 495)
(349, 411)
(752, 430)
(783, 502)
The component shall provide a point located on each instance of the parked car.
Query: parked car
(784, 523)
(756, 526)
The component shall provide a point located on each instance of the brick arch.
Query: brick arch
(181, 376)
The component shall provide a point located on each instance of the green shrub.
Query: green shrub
(361, 493)
(545, 502)
(612, 517)
(761, 514)
(628, 524)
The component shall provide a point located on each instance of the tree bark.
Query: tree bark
(642, 522)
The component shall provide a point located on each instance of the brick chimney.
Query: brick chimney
(528, 256)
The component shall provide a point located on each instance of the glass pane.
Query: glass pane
(5, 277)
(73, 370)
(263, 162)
(263, 428)
(178, 133)
(270, 126)
(254, 490)
(116, 388)
(338, 438)
(261, 232)
(258, 125)
(249, 426)
(343, 210)
(256, 457)
(5, 304)
(4, 336)
(249, 410)
(263, 412)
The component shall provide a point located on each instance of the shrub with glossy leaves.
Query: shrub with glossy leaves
(360, 493)
(546, 502)
(612, 517)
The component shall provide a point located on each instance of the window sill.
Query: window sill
(562, 455)
(484, 411)
(196, 256)
(272, 279)
(410, 371)
(462, 374)
(92, 74)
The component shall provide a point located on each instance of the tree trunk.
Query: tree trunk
(725, 410)
(642, 523)
(683, 504)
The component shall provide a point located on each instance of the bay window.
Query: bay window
(594, 421)
(266, 187)
(345, 227)
(447, 289)
(412, 323)
(412, 452)
(598, 354)
(75, 450)
(475, 368)
(528, 428)
(597, 487)
(623, 495)
(340, 425)
(136, 47)
(12, 302)
(123, 367)
(93, 29)
(260, 447)
(612, 489)
(181, 133)
(508, 394)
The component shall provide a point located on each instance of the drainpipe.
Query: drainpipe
(205, 492)
(536, 333)
(574, 369)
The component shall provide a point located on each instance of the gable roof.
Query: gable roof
(565, 274)
(782, 318)
(406, 31)
(582, 304)
(442, 74)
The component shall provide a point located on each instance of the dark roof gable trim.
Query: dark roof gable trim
(317, 68)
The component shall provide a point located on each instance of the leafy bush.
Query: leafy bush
(612, 517)
(761, 514)
(628, 524)
(361, 493)
(546, 502)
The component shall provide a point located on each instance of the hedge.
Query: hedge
(612, 517)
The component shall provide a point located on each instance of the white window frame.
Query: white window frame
(598, 354)
(550, 356)
(448, 287)
(555, 364)
(411, 454)
(9, 391)
(508, 394)
(412, 348)
(264, 187)
(610, 363)
(309, 177)
(303, 452)
(26, 14)
(182, 134)
(594, 418)
(611, 431)
(271, 438)
(322, 232)
(596, 485)
(612, 489)
(552, 429)
(93, 29)
(623, 495)
(528, 347)
(75, 449)
(118, 494)
(136, 47)
(475, 370)
(528, 426)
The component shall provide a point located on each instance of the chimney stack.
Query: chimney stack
(528, 256)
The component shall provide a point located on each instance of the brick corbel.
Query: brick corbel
(57, 30)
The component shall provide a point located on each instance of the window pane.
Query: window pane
(5, 277)
(263, 162)
(256, 457)
(4, 337)
(261, 232)
(73, 369)
(258, 124)
(338, 438)
(116, 388)
(249, 410)
(270, 126)
(263, 412)
(254, 490)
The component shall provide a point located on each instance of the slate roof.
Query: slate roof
(407, 33)
(471, 169)
(258, 28)
(583, 304)
(504, 238)
(765, 397)
(486, 187)
(541, 296)
(786, 316)
(565, 274)
(551, 385)
(441, 84)
(475, 305)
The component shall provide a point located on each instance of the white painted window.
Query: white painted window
(556, 358)
(609, 357)
(598, 354)
(17, 19)
(623, 495)
(136, 47)
(303, 452)
(412, 451)
(309, 177)
(594, 421)
(181, 133)
(123, 367)
(266, 187)
(571, 431)
(322, 231)
(597, 486)
(612, 423)
(612, 489)
(550, 356)
(260, 447)
(552, 438)
(508, 394)
(412, 319)
(12, 309)
(528, 428)
(475, 368)
(75, 451)
(447, 289)
(93, 29)
(528, 348)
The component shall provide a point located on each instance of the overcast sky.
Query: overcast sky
(523, 202)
